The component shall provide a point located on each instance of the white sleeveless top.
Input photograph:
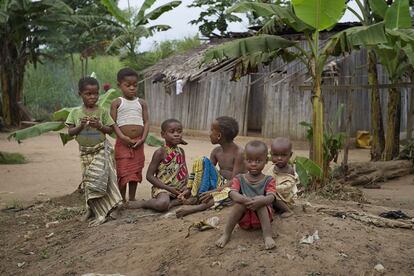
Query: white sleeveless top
(129, 113)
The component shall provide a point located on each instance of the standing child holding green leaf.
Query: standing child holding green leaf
(90, 123)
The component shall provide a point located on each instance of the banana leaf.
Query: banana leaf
(106, 99)
(35, 130)
(153, 141)
(319, 14)
(306, 169)
(61, 114)
(59, 117)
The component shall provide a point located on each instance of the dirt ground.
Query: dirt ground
(147, 243)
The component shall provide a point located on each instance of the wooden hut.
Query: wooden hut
(269, 103)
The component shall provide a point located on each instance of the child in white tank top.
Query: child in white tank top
(132, 125)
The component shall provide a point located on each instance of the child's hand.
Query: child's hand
(95, 122)
(138, 143)
(255, 203)
(84, 121)
(127, 141)
(205, 197)
(174, 191)
(184, 194)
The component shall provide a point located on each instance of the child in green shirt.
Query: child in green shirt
(90, 123)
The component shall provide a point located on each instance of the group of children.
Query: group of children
(239, 180)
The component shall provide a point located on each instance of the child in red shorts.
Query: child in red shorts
(252, 194)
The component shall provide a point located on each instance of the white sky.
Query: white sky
(179, 17)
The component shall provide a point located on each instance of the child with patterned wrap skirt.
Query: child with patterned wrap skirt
(90, 124)
(167, 171)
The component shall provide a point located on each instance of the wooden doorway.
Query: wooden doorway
(255, 106)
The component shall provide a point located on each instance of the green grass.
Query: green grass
(11, 158)
(14, 204)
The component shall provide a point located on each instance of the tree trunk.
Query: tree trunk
(392, 138)
(12, 89)
(377, 129)
(411, 108)
(317, 123)
(362, 173)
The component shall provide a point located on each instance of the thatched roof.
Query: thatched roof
(186, 66)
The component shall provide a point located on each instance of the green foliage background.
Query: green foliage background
(53, 84)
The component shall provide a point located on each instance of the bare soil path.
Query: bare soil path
(147, 243)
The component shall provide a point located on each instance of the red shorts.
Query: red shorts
(250, 220)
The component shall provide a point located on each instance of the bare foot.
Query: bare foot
(182, 211)
(190, 201)
(116, 213)
(286, 214)
(222, 241)
(135, 204)
(87, 215)
(269, 243)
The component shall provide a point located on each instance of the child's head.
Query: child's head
(128, 82)
(224, 128)
(88, 91)
(281, 151)
(255, 156)
(172, 132)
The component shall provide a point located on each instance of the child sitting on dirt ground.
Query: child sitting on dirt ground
(207, 186)
(285, 176)
(167, 171)
(90, 124)
(131, 116)
(252, 194)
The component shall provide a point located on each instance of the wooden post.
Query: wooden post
(246, 107)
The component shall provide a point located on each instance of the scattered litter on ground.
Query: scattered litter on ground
(52, 223)
(169, 215)
(380, 268)
(21, 264)
(213, 221)
(310, 239)
(203, 225)
(290, 257)
(100, 274)
(342, 254)
(243, 263)
(395, 214)
(50, 235)
(28, 236)
(215, 263)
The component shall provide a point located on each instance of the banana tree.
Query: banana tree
(309, 17)
(131, 27)
(366, 17)
(25, 27)
(397, 57)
